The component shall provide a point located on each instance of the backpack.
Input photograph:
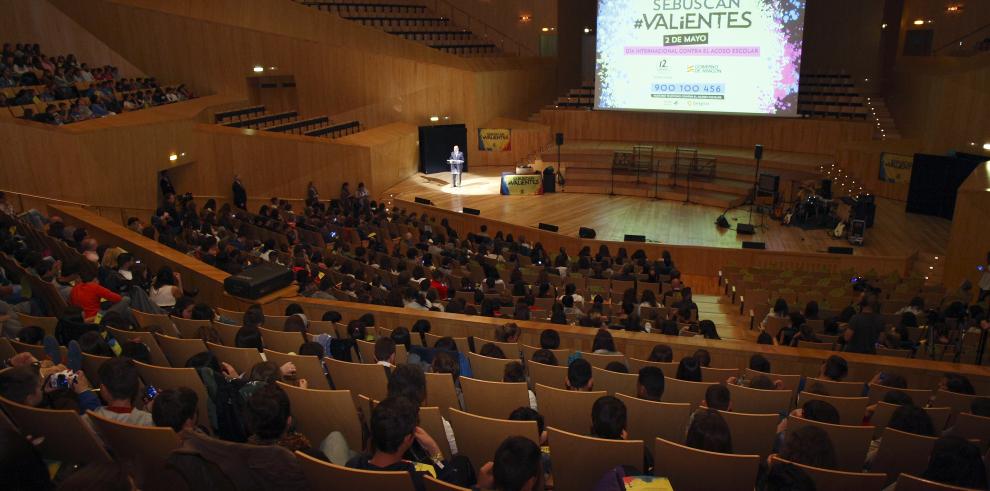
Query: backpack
(225, 406)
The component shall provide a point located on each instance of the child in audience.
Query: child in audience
(650, 384)
(957, 462)
(709, 431)
(579, 376)
(514, 372)
(689, 369)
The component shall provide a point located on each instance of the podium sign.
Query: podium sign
(514, 184)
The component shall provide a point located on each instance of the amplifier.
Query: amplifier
(258, 281)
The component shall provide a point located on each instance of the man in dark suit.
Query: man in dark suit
(240, 194)
(455, 168)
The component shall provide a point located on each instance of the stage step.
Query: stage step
(698, 196)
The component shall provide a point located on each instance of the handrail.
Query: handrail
(473, 23)
(21, 196)
(955, 42)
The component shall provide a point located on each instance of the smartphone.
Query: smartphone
(150, 392)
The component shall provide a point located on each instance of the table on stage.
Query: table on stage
(513, 183)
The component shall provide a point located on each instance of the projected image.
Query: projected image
(721, 56)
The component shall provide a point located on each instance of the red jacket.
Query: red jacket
(87, 296)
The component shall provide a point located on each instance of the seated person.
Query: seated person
(709, 431)
(579, 376)
(514, 372)
(517, 467)
(119, 386)
(608, 421)
(717, 397)
(650, 383)
(267, 414)
(394, 429)
(809, 445)
(957, 462)
(662, 353)
(176, 409)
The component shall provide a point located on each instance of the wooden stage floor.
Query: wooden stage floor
(895, 233)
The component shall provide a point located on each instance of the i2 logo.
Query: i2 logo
(662, 65)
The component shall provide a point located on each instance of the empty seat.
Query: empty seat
(320, 473)
(548, 375)
(144, 448)
(480, 436)
(690, 469)
(493, 399)
(683, 391)
(487, 368)
(317, 413)
(759, 401)
(615, 382)
(65, 436)
(851, 442)
(751, 433)
(359, 378)
(580, 461)
(567, 410)
(902, 452)
(177, 350)
(835, 480)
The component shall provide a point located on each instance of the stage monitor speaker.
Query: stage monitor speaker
(560, 138)
(586, 233)
(634, 238)
(721, 222)
(471, 211)
(769, 183)
(258, 281)
(745, 229)
(754, 245)
(840, 250)
(548, 227)
(758, 152)
(423, 201)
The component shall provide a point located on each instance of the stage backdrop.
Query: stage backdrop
(436, 143)
(717, 56)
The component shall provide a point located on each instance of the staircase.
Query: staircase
(413, 22)
(884, 126)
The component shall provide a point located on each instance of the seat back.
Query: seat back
(493, 399)
(669, 368)
(908, 482)
(367, 351)
(602, 361)
(829, 479)
(319, 473)
(307, 367)
(173, 378)
(189, 328)
(479, 436)
(281, 341)
(751, 433)
(549, 375)
(432, 484)
(242, 359)
(648, 420)
(918, 397)
(956, 402)
(561, 354)
(147, 321)
(615, 382)
(851, 442)
(851, 409)
(66, 436)
(902, 452)
(46, 323)
(91, 367)
(717, 374)
(972, 427)
(440, 392)
(227, 332)
(431, 421)
(7, 350)
(836, 389)
(580, 461)
(683, 391)
(233, 315)
(759, 401)
(178, 350)
(791, 382)
(511, 350)
(317, 413)
(431, 339)
(883, 412)
(690, 469)
(144, 447)
(359, 378)
(487, 368)
(156, 356)
(567, 410)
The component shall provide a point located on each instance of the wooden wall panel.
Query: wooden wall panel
(38, 21)
(969, 241)
(691, 260)
(341, 68)
(527, 139)
(817, 136)
(862, 161)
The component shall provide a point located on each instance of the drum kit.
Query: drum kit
(811, 210)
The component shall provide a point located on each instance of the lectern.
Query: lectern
(455, 171)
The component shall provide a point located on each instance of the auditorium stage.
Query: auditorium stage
(896, 232)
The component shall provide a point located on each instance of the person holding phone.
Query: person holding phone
(984, 280)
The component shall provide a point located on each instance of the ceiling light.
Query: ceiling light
(173, 157)
(258, 69)
(587, 30)
(986, 146)
(434, 119)
(919, 22)
(883, 26)
(545, 29)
